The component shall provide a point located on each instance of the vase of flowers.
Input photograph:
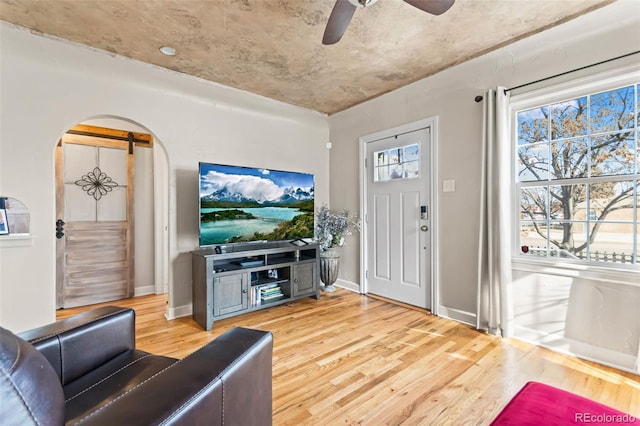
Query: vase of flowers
(331, 228)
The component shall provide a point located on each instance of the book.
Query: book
(251, 262)
(269, 286)
(272, 297)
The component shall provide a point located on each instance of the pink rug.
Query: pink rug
(540, 404)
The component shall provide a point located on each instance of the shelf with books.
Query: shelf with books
(265, 293)
(271, 294)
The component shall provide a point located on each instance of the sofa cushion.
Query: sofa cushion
(102, 386)
(202, 389)
(31, 391)
(76, 345)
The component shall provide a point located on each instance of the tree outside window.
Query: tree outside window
(578, 166)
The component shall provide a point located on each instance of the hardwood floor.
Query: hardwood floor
(352, 359)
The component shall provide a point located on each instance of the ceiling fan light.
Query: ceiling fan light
(362, 3)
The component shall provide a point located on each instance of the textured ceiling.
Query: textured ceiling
(273, 47)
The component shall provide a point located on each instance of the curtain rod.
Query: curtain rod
(574, 70)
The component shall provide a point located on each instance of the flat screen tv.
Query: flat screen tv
(245, 204)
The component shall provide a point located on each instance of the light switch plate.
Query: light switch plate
(449, 185)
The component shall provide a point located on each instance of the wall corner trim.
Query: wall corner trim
(178, 312)
(459, 315)
(349, 285)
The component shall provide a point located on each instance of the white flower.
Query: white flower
(331, 227)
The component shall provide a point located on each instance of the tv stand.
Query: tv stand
(249, 277)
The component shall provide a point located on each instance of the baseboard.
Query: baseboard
(164, 289)
(348, 285)
(464, 317)
(144, 290)
(178, 312)
(558, 343)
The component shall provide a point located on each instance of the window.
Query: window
(578, 178)
(397, 163)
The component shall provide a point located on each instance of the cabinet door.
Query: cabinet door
(304, 278)
(230, 294)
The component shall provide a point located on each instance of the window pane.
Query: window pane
(411, 169)
(638, 151)
(568, 202)
(637, 185)
(569, 118)
(612, 242)
(533, 125)
(533, 238)
(533, 162)
(612, 154)
(381, 173)
(411, 153)
(612, 111)
(382, 158)
(533, 203)
(569, 159)
(395, 171)
(395, 155)
(568, 240)
(637, 243)
(611, 201)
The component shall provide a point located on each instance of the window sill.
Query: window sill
(16, 240)
(629, 275)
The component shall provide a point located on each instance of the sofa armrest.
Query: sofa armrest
(77, 345)
(228, 381)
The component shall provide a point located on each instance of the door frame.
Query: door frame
(432, 124)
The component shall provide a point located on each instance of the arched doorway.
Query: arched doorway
(111, 212)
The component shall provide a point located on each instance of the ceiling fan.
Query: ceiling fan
(343, 12)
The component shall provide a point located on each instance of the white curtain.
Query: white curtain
(495, 312)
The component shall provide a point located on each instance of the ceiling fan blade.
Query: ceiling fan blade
(434, 7)
(338, 21)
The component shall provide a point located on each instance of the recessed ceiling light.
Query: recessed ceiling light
(169, 51)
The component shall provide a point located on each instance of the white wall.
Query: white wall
(596, 317)
(608, 32)
(48, 85)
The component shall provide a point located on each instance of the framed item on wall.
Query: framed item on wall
(4, 225)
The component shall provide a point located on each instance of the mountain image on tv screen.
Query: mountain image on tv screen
(240, 204)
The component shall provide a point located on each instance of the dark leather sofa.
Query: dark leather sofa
(86, 370)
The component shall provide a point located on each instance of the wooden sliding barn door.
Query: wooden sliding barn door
(95, 222)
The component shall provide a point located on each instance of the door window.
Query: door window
(397, 163)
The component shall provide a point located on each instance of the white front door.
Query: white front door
(398, 218)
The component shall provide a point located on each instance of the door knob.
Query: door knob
(424, 228)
